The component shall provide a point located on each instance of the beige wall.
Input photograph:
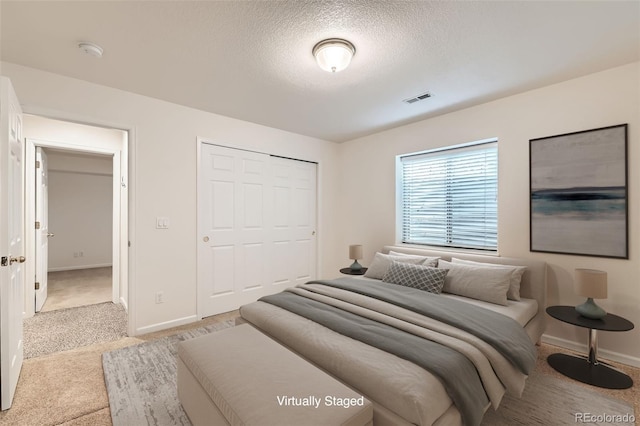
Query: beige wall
(80, 210)
(603, 99)
(163, 179)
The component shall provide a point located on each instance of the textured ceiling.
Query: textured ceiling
(252, 60)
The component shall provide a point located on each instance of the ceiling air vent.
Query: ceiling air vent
(417, 98)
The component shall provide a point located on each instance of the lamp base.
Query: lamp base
(589, 309)
(355, 266)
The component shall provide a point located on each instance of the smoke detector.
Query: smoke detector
(90, 49)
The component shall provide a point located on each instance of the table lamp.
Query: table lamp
(355, 253)
(591, 284)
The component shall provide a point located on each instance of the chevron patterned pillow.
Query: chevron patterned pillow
(417, 276)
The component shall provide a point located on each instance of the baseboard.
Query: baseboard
(123, 302)
(74, 268)
(164, 325)
(582, 348)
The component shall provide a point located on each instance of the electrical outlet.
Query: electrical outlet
(75, 254)
(160, 297)
(80, 254)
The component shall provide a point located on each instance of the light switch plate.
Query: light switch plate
(162, 222)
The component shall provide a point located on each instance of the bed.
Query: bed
(421, 358)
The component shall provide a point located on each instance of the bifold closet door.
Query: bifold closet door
(294, 223)
(256, 220)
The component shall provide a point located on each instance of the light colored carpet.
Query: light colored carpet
(141, 380)
(63, 388)
(68, 289)
(141, 383)
(56, 331)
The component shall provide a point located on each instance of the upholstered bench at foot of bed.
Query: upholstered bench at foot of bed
(239, 376)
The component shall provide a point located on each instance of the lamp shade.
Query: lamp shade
(333, 54)
(591, 283)
(355, 252)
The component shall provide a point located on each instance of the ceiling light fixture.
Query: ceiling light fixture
(91, 49)
(333, 54)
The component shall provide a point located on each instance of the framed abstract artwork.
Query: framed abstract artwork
(578, 193)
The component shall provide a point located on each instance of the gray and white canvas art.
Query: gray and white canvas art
(579, 193)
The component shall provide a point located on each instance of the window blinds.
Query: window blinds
(449, 197)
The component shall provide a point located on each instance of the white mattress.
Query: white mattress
(522, 311)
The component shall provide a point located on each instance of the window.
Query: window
(448, 197)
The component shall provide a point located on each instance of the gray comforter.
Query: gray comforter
(475, 353)
(501, 332)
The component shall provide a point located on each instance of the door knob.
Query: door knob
(13, 260)
(50, 234)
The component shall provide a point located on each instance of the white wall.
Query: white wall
(163, 180)
(603, 99)
(80, 211)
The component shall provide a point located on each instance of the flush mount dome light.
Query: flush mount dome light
(333, 54)
(91, 49)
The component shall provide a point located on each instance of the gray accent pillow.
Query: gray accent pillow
(487, 284)
(381, 263)
(516, 274)
(416, 276)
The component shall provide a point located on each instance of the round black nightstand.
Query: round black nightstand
(349, 271)
(589, 369)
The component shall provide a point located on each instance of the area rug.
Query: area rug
(141, 384)
(141, 380)
(548, 400)
(65, 329)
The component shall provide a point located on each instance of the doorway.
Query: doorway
(74, 211)
(81, 157)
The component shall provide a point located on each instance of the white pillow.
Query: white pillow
(516, 275)
(381, 263)
(488, 284)
(431, 261)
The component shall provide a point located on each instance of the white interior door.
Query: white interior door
(42, 228)
(256, 226)
(11, 242)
